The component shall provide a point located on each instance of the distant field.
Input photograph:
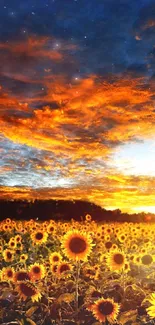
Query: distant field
(66, 273)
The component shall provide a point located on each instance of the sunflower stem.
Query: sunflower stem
(77, 286)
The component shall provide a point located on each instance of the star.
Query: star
(11, 14)
(56, 45)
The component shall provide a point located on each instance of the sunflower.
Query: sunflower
(20, 247)
(37, 271)
(6, 227)
(8, 255)
(55, 258)
(8, 220)
(137, 259)
(114, 246)
(98, 234)
(132, 257)
(126, 268)
(39, 237)
(51, 228)
(18, 238)
(12, 243)
(143, 250)
(105, 309)
(108, 244)
(147, 259)
(122, 238)
(134, 247)
(64, 269)
(44, 225)
(88, 217)
(7, 274)
(54, 269)
(21, 275)
(107, 237)
(23, 258)
(116, 261)
(28, 290)
(109, 230)
(76, 245)
(151, 310)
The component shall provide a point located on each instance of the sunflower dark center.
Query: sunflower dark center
(90, 272)
(64, 268)
(9, 255)
(28, 291)
(10, 273)
(77, 245)
(106, 308)
(118, 258)
(108, 244)
(51, 228)
(21, 276)
(147, 259)
(39, 235)
(36, 269)
(55, 258)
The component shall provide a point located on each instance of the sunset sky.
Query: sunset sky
(77, 101)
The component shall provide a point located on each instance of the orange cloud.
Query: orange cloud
(98, 116)
(150, 23)
(32, 47)
(78, 126)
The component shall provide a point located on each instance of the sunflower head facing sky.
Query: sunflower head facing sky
(105, 309)
(39, 237)
(76, 245)
(37, 271)
(55, 258)
(116, 260)
(7, 274)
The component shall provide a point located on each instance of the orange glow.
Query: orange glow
(90, 119)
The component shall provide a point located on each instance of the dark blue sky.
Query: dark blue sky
(112, 36)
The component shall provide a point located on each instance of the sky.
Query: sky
(77, 101)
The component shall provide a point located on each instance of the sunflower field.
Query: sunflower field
(67, 273)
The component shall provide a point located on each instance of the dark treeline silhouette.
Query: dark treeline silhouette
(65, 210)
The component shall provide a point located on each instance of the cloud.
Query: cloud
(58, 133)
(117, 191)
(97, 114)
